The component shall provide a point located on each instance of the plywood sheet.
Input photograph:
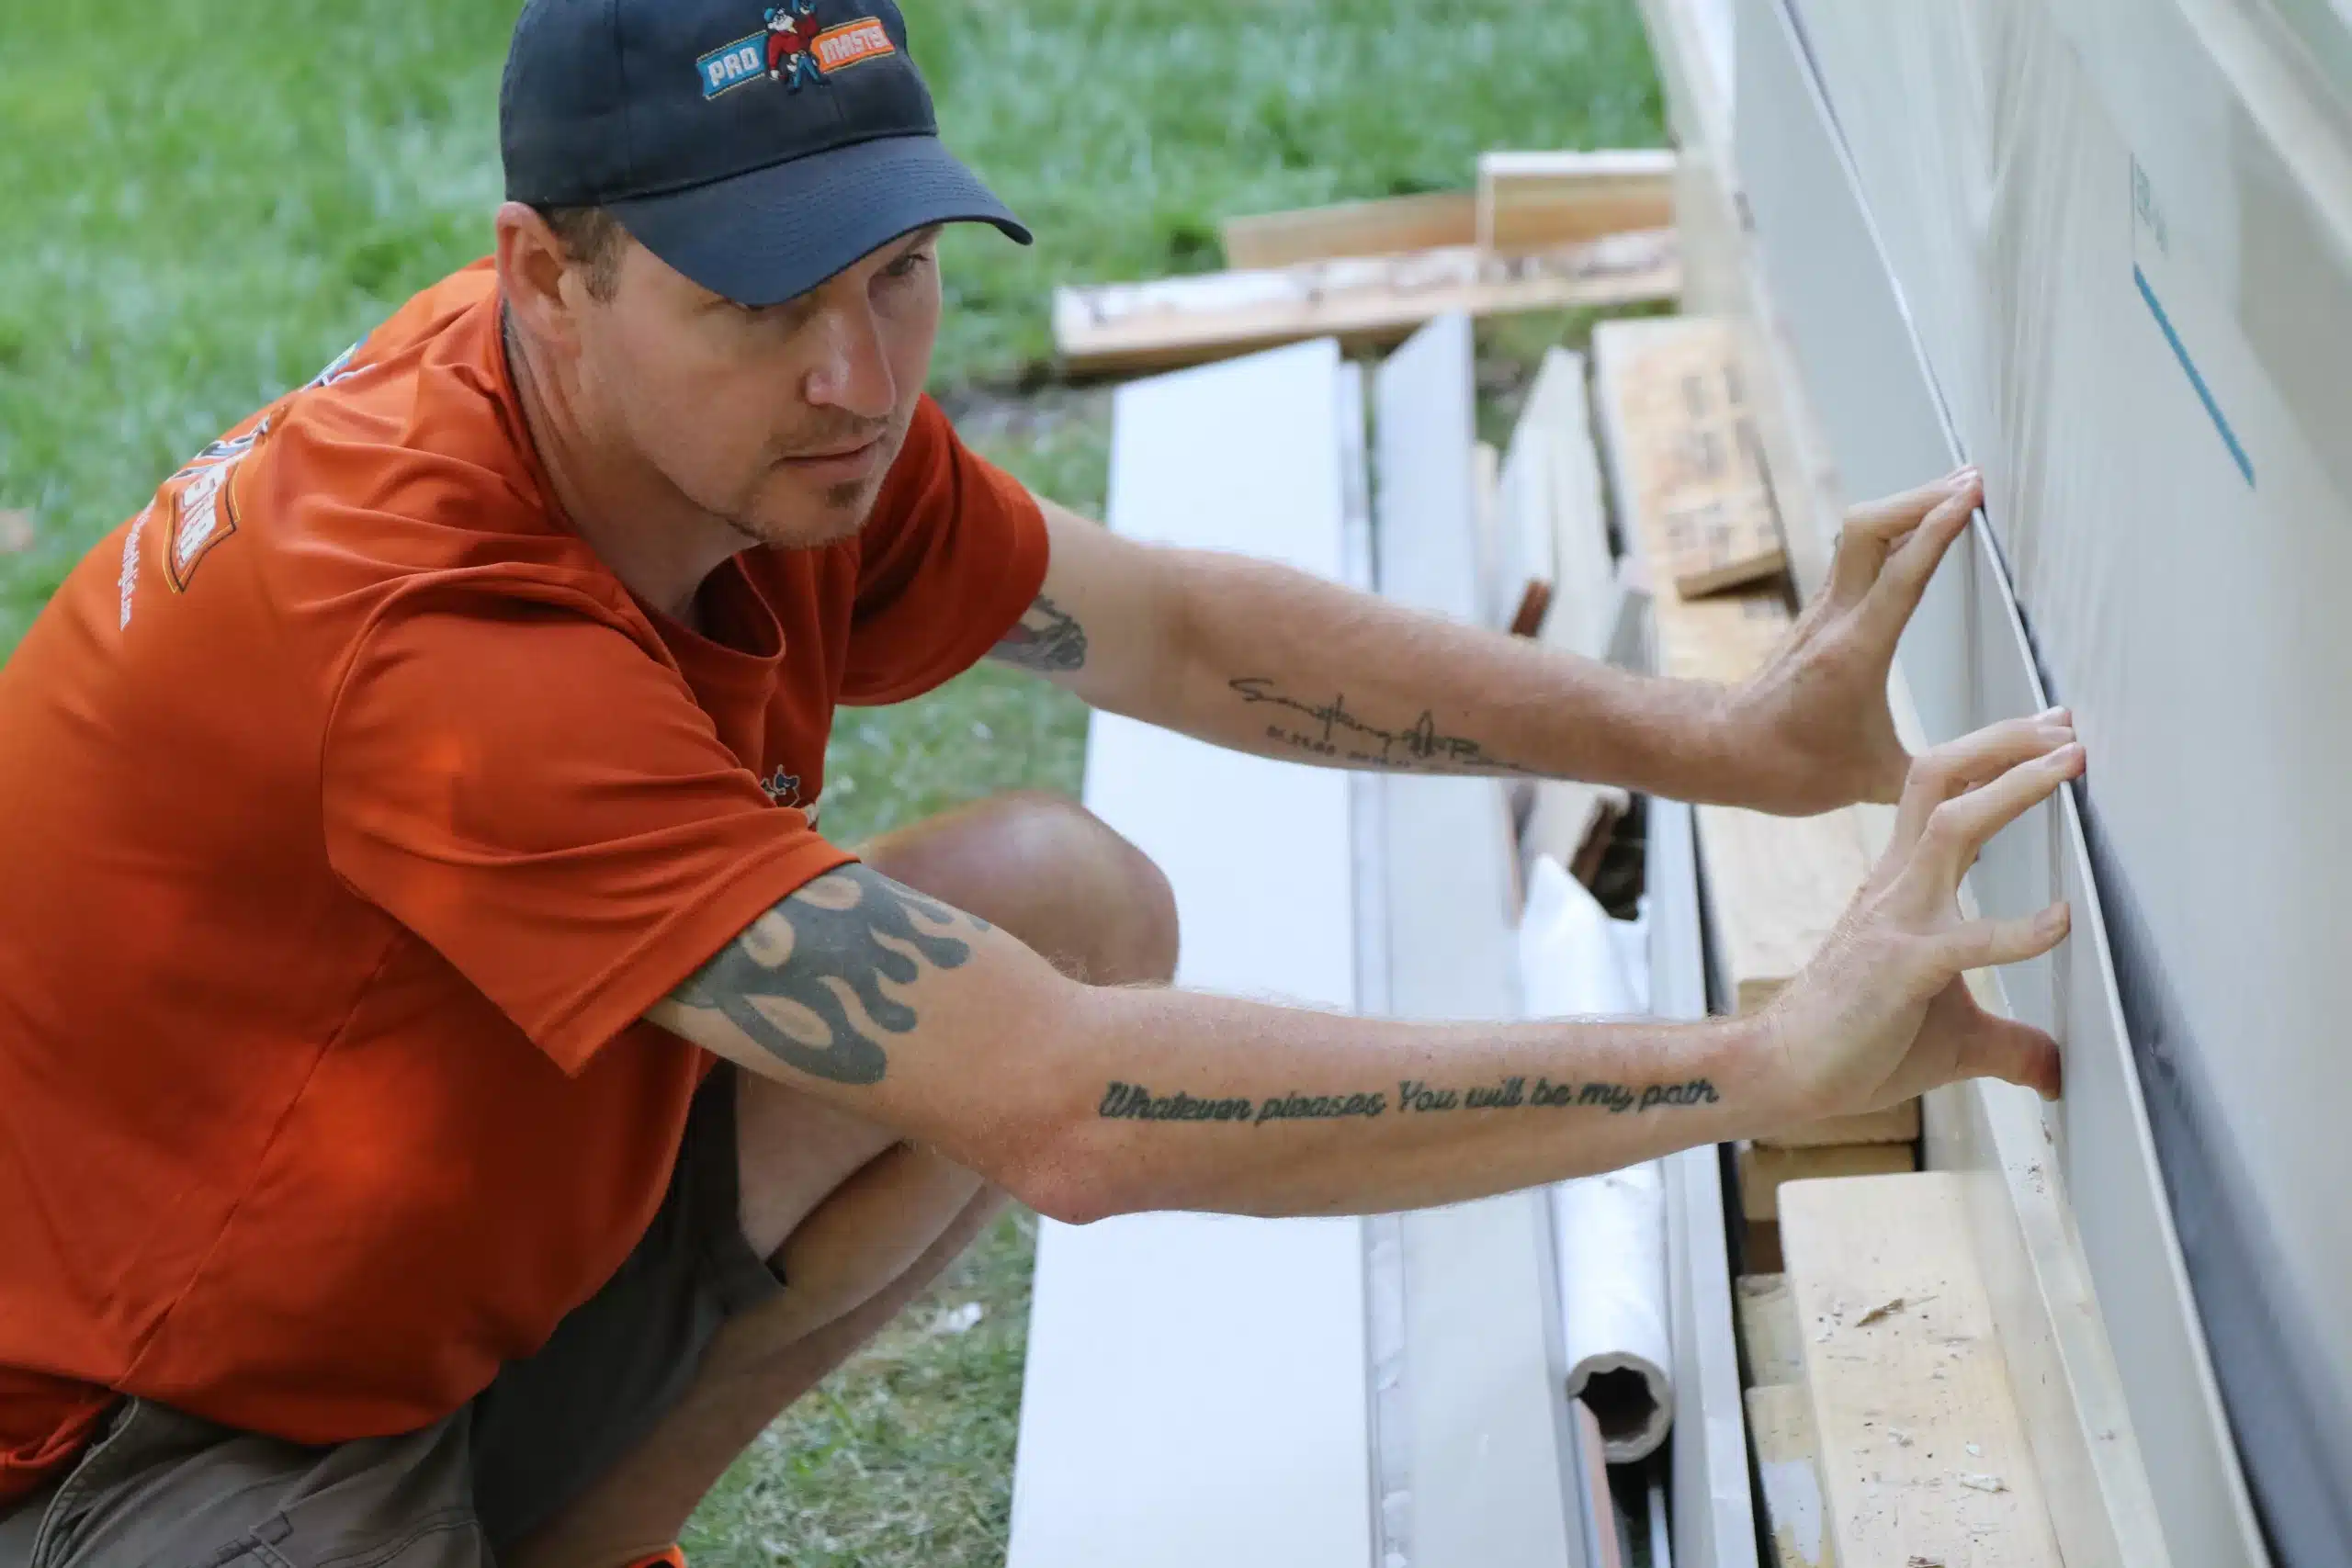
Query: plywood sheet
(1256, 1327)
(1923, 1453)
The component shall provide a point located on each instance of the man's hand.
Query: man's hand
(1810, 731)
(1881, 1015)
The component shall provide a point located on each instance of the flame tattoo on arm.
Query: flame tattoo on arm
(813, 982)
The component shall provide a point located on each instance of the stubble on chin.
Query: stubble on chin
(840, 511)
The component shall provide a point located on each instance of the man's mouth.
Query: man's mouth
(837, 464)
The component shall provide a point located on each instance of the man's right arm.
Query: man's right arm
(1086, 1102)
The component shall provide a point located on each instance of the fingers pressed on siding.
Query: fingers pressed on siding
(1959, 829)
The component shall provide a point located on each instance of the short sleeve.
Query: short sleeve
(532, 792)
(955, 552)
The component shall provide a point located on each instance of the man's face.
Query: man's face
(780, 422)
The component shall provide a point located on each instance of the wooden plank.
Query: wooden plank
(1483, 1430)
(1788, 1471)
(1725, 638)
(1764, 1170)
(1648, 430)
(1390, 226)
(1783, 883)
(1923, 1453)
(1714, 1518)
(1117, 1468)
(1692, 40)
(1363, 300)
(1529, 201)
(1768, 1329)
(1896, 1124)
(1711, 524)
(1777, 886)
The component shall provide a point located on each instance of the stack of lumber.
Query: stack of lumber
(1543, 230)
(1691, 488)
(1885, 1429)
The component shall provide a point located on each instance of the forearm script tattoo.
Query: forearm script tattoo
(1046, 640)
(1415, 1097)
(1329, 731)
(789, 980)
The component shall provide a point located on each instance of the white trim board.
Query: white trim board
(1559, 523)
(1483, 1420)
(1196, 1384)
(1714, 1513)
(1965, 661)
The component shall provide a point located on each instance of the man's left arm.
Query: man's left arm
(1267, 659)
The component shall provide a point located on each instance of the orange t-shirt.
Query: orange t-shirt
(351, 811)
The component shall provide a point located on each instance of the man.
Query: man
(454, 1098)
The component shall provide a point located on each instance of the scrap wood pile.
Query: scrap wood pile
(1543, 230)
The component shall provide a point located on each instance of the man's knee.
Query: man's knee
(1054, 875)
(1116, 914)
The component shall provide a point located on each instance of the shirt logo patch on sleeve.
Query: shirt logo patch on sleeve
(205, 513)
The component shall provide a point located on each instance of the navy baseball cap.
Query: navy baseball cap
(757, 147)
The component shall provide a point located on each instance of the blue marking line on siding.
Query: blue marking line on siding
(2196, 378)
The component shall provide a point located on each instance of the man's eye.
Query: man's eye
(908, 265)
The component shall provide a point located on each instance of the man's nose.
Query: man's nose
(852, 372)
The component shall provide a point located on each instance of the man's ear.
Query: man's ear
(535, 277)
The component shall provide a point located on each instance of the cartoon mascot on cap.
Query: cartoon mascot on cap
(791, 43)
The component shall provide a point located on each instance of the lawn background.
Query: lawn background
(205, 201)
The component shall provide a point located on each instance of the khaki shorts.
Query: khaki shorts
(160, 1489)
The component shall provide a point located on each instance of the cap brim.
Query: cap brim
(772, 234)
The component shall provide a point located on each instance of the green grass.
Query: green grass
(207, 201)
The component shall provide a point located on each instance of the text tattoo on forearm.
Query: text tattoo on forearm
(789, 979)
(1134, 1102)
(1339, 736)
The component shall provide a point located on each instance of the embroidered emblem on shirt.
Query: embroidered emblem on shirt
(205, 514)
(783, 788)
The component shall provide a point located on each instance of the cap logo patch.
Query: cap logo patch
(793, 48)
